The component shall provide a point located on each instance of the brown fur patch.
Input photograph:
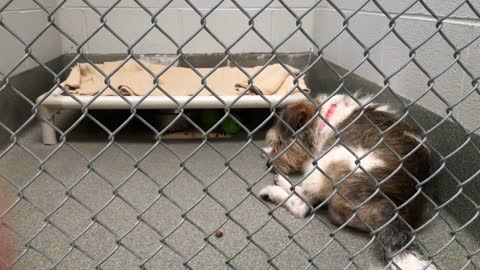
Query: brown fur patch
(279, 137)
(298, 114)
(335, 172)
(290, 161)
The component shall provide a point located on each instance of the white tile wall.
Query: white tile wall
(228, 23)
(76, 31)
(284, 24)
(345, 50)
(130, 21)
(130, 25)
(27, 24)
(276, 4)
(469, 110)
(410, 7)
(353, 53)
(328, 24)
(152, 5)
(387, 5)
(15, 53)
(445, 7)
(26, 4)
(435, 56)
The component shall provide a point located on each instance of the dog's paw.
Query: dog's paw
(276, 179)
(266, 193)
(280, 181)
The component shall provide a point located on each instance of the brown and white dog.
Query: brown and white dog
(363, 164)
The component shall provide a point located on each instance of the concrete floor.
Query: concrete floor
(116, 239)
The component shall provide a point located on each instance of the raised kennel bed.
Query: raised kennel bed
(56, 102)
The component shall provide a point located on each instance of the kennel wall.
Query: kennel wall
(421, 55)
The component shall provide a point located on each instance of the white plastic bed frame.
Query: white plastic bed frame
(56, 102)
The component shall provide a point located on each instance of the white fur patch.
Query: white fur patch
(364, 99)
(416, 138)
(385, 108)
(345, 107)
(370, 161)
(274, 193)
(382, 108)
(267, 150)
(410, 261)
(283, 183)
(317, 181)
(340, 153)
(278, 195)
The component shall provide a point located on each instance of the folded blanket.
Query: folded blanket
(132, 79)
(273, 80)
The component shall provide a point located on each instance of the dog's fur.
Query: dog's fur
(363, 164)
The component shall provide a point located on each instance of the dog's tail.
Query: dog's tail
(394, 237)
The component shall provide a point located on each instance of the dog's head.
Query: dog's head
(290, 155)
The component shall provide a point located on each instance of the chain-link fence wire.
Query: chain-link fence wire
(166, 240)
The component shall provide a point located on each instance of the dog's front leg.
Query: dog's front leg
(281, 193)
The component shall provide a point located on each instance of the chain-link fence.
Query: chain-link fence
(114, 193)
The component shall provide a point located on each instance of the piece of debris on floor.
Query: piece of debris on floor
(219, 233)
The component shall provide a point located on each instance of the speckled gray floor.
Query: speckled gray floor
(91, 219)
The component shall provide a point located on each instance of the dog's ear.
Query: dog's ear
(298, 114)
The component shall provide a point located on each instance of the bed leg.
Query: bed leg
(48, 132)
